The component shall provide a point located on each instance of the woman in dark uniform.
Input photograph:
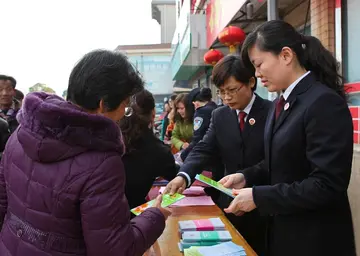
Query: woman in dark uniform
(302, 183)
(204, 106)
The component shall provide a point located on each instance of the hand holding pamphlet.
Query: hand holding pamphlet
(167, 200)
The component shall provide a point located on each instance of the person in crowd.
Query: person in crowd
(183, 130)
(19, 96)
(169, 122)
(204, 106)
(62, 177)
(4, 134)
(146, 156)
(165, 120)
(9, 105)
(236, 135)
(302, 183)
(167, 107)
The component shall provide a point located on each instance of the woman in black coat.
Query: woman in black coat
(302, 183)
(146, 156)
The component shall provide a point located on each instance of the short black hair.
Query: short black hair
(8, 78)
(19, 95)
(103, 75)
(204, 95)
(232, 66)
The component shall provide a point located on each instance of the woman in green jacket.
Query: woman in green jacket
(183, 131)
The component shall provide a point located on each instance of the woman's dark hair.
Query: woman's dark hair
(103, 75)
(204, 95)
(273, 36)
(189, 108)
(173, 97)
(232, 66)
(134, 126)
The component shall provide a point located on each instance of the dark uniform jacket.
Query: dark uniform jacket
(237, 150)
(202, 119)
(308, 160)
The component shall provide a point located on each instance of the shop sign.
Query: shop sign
(218, 15)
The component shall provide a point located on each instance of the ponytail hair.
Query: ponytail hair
(134, 126)
(273, 36)
(322, 63)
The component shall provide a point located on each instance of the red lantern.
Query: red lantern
(213, 56)
(232, 36)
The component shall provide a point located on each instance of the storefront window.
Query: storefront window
(351, 38)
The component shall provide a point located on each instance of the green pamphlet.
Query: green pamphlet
(192, 251)
(167, 200)
(214, 184)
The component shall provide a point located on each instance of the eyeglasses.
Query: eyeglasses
(129, 110)
(229, 92)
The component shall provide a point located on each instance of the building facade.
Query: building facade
(153, 61)
(164, 12)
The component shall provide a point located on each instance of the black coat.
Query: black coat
(237, 150)
(151, 158)
(202, 119)
(308, 159)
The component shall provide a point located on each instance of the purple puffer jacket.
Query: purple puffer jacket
(62, 186)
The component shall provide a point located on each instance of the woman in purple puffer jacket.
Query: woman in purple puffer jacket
(61, 176)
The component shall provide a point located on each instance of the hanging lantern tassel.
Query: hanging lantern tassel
(232, 36)
(213, 56)
(232, 48)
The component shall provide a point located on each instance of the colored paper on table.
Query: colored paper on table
(192, 251)
(194, 201)
(223, 249)
(167, 200)
(201, 225)
(160, 182)
(177, 158)
(206, 236)
(183, 245)
(214, 184)
(192, 191)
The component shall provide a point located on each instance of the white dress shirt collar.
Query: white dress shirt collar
(248, 107)
(288, 91)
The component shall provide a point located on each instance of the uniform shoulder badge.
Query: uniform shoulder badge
(197, 123)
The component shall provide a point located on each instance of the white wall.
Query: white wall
(168, 22)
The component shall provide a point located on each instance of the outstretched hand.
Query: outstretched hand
(243, 202)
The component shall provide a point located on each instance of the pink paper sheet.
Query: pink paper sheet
(194, 201)
(193, 190)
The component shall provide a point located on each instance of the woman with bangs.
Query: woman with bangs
(183, 130)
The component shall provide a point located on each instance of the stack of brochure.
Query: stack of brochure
(223, 249)
(203, 238)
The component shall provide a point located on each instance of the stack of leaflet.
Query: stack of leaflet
(223, 249)
(203, 232)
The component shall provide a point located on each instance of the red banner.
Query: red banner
(218, 15)
(338, 4)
